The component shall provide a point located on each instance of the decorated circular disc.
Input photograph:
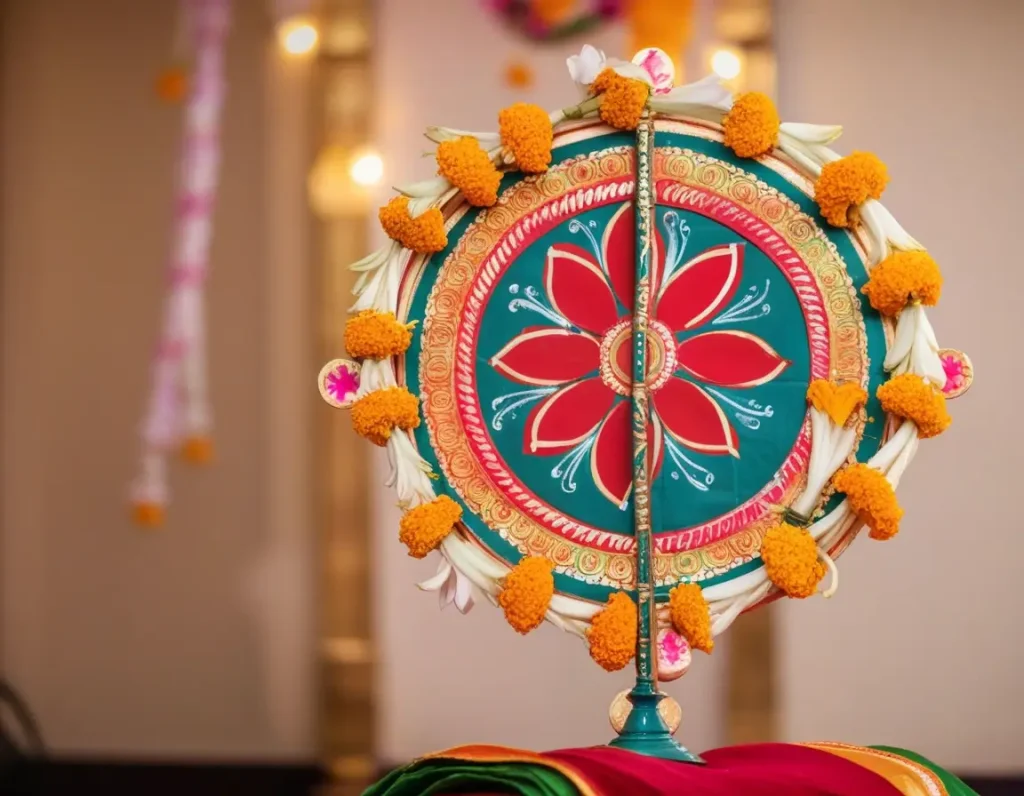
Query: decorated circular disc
(522, 356)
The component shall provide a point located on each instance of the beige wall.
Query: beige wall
(126, 641)
(919, 648)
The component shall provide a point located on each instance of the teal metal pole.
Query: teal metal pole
(645, 732)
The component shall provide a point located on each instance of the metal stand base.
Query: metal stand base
(645, 732)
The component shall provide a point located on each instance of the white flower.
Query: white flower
(451, 587)
(585, 67)
(706, 99)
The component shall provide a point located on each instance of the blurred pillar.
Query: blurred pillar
(342, 129)
(743, 28)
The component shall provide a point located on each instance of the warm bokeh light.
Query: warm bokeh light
(298, 35)
(726, 64)
(367, 169)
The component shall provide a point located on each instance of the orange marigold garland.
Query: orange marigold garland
(377, 335)
(872, 499)
(691, 616)
(424, 234)
(612, 633)
(378, 413)
(465, 164)
(527, 592)
(836, 400)
(424, 527)
(791, 560)
(526, 131)
(911, 397)
(751, 126)
(901, 279)
(623, 99)
(847, 183)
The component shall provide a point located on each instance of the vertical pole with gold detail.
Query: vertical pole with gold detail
(743, 33)
(343, 206)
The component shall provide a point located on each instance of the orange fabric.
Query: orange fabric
(910, 778)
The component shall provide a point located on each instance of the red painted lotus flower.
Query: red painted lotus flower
(590, 362)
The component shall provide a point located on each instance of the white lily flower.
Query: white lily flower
(451, 587)
(410, 472)
(885, 231)
(705, 99)
(820, 134)
(585, 67)
(914, 348)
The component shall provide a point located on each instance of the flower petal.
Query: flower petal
(694, 418)
(611, 460)
(577, 288)
(730, 359)
(565, 418)
(701, 288)
(618, 246)
(546, 356)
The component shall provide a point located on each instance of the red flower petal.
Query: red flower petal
(619, 247)
(730, 359)
(577, 288)
(547, 356)
(565, 418)
(611, 460)
(701, 288)
(694, 418)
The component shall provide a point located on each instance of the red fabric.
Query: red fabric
(754, 770)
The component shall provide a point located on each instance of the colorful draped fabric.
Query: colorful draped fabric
(823, 769)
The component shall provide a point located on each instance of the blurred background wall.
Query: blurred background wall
(129, 642)
(134, 644)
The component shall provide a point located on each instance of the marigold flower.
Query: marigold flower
(171, 85)
(148, 515)
(464, 163)
(903, 278)
(623, 100)
(424, 527)
(836, 400)
(197, 449)
(612, 633)
(872, 499)
(527, 592)
(424, 234)
(791, 560)
(378, 413)
(847, 183)
(527, 133)
(911, 397)
(691, 616)
(751, 126)
(376, 335)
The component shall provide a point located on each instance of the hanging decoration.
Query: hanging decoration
(178, 414)
(554, 20)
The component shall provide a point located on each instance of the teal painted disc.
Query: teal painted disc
(521, 356)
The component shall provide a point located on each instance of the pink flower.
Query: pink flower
(954, 370)
(583, 290)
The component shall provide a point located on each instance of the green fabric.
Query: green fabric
(427, 777)
(953, 784)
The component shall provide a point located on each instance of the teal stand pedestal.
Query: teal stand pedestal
(645, 731)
